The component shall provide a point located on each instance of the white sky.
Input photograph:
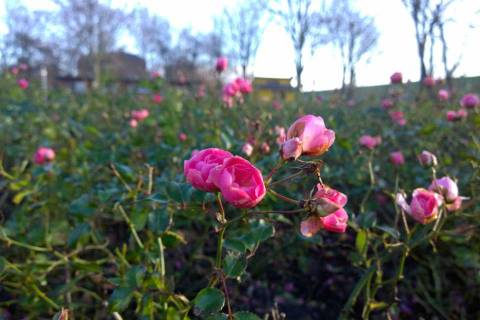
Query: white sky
(396, 50)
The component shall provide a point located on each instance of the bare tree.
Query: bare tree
(153, 37)
(245, 29)
(297, 18)
(354, 34)
(425, 21)
(88, 28)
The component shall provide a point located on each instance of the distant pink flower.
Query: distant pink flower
(227, 100)
(197, 169)
(201, 91)
(265, 147)
(243, 85)
(43, 155)
(14, 71)
(23, 83)
(456, 115)
(396, 78)
(155, 74)
(470, 101)
(398, 117)
(424, 205)
(397, 158)
(370, 142)
(23, 66)
(443, 95)
(277, 105)
(247, 149)
(387, 103)
(140, 115)
(157, 98)
(281, 135)
(240, 182)
(221, 64)
(182, 136)
(133, 123)
(230, 89)
(428, 82)
(462, 113)
(311, 134)
(427, 159)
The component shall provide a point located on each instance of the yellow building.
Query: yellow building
(270, 89)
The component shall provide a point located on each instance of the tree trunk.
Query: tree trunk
(244, 71)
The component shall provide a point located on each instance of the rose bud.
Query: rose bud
(470, 101)
(23, 83)
(247, 149)
(370, 142)
(291, 149)
(328, 200)
(221, 64)
(396, 78)
(443, 95)
(387, 103)
(334, 222)
(396, 158)
(427, 159)
(133, 123)
(140, 115)
(424, 205)
(43, 155)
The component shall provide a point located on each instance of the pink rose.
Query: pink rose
(133, 123)
(247, 149)
(197, 169)
(446, 187)
(140, 115)
(470, 101)
(443, 95)
(387, 103)
(328, 200)
(182, 136)
(230, 89)
(398, 117)
(370, 142)
(308, 132)
(43, 155)
(424, 205)
(23, 83)
(243, 85)
(427, 159)
(240, 183)
(462, 113)
(456, 115)
(221, 64)
(334, 222)
(157, 98)
(155, 74)
(396, 78)
(396, 158)
(14, 71)
(429, 82)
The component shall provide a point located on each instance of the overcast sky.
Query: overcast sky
(396, 50)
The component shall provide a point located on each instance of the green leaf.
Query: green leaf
(135, 276)
(139, 218)
(262, 231)
(79, 234)
(81, 207)
(158, 221)
(218, 316)
(235, 245)
(120, 299)
(361, 242)
(234, 265)
(390, 231)
(245, 315)
(209, 300)
(171, 239)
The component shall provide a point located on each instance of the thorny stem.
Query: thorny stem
(277, 211)
(286, 178)
(285, 198)
(130, 224)
(119, 176)
(227, 297)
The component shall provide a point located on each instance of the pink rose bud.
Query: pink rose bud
(443, 95)
(243, 85)
(429, 82)
(446, 187)
(398, 117)
(396, 158)
(133, 123)
(452, 115)
(370, 142)
(281, 135)
(335, 222)
(424, 205)
(197, 169)
(140, 115)
(277, 105)
(396, 78)
(265, 147)
(387, 103)
(470, 101)
(311, 134)
(427, 159)
(291, 149)
(221, 64)
(43, 155)
(240, 183)
(328, 200)
(462, 113)
(310, 226)
(157, 98)
(182, 137)
(23, 83)
(230, 89)
(247, 149)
